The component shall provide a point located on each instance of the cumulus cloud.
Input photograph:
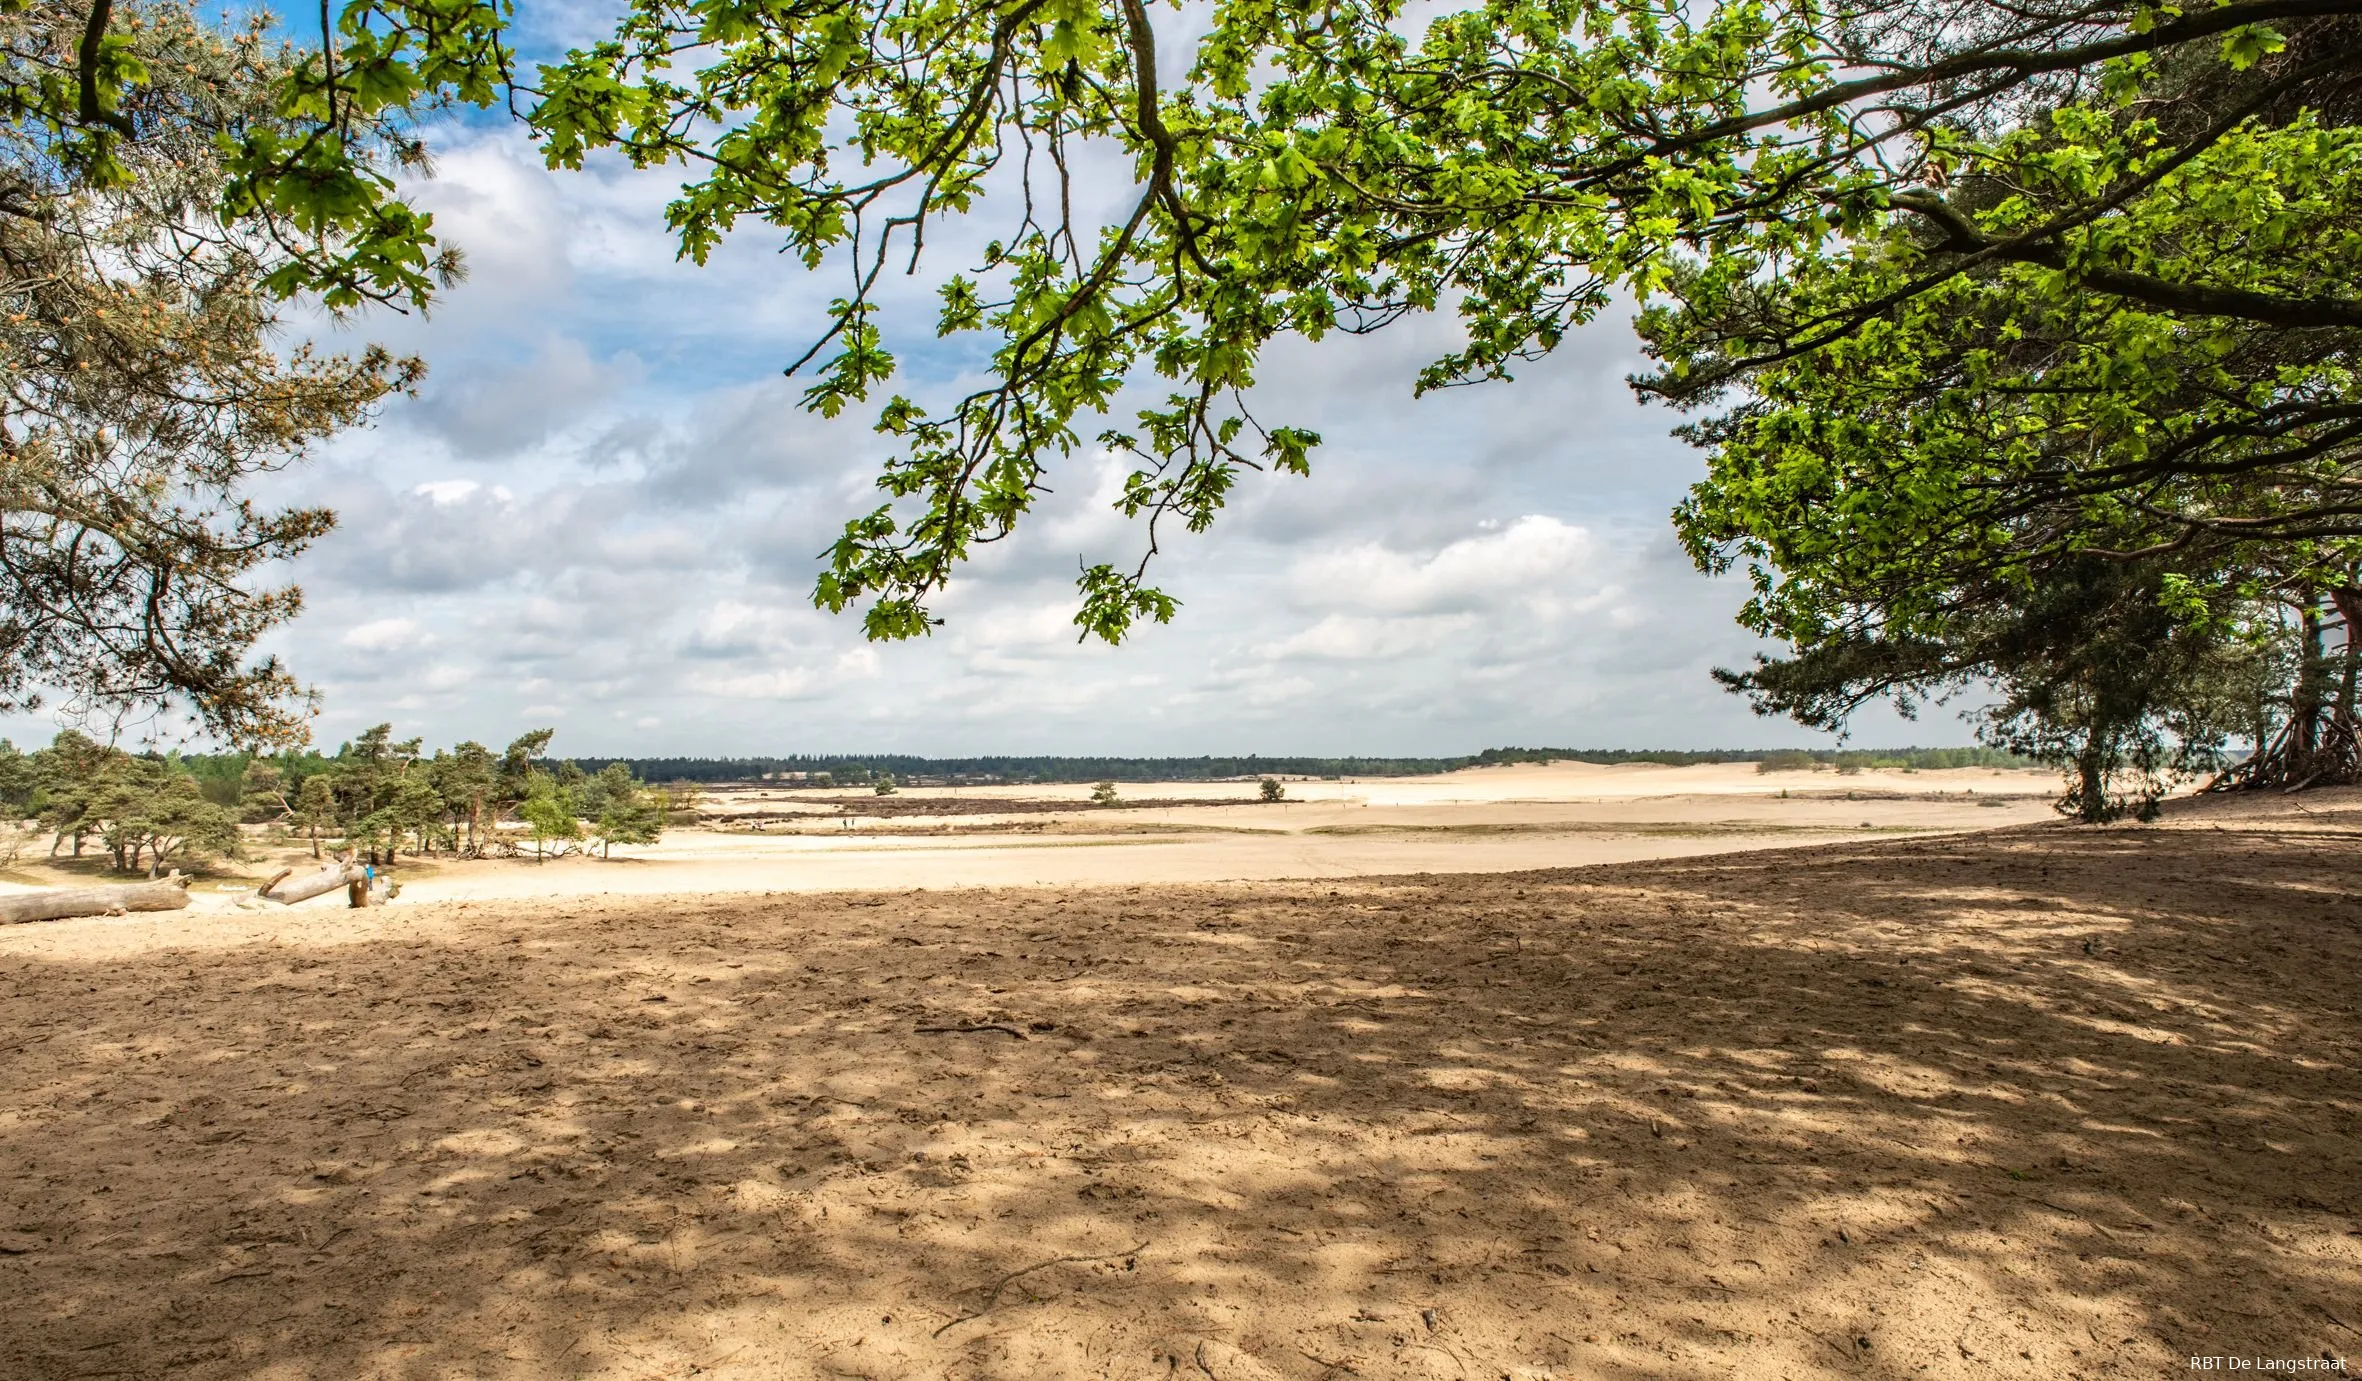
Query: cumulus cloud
(606, 511)
(785, 684)
(502, 409)
(1361, 638)
(385, 635)
(1535, 555)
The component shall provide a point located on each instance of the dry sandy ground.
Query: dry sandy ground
(1487, 820)
(2040, 1102)
(1494, 820)
(1524, 782)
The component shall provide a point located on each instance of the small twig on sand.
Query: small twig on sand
(1435, 1347)
(1834, 1346)
(1012, 1277)
(1346, 1367)
(970, 1030)
(2062, 1208)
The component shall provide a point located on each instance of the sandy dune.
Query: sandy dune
(2045, 1101)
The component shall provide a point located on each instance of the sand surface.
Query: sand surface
(2043, 1101)
(1490, 820)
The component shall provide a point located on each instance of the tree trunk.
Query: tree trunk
(2348, 599)
(328, 879)
(2088, 765)
(58, 903)
(2305, 703)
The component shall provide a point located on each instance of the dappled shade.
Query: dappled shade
(2070, 1103)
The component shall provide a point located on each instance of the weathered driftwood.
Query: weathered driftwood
(328, 879)
(58, 903)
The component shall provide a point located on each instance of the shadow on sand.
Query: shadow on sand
(2040, 1102)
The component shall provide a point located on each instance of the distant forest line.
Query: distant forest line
(853, 769)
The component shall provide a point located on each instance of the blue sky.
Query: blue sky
(604, 511)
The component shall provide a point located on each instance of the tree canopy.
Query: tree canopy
(1843, 192)
(141, 387)
(2087, 399)
(1965, 296)
(376, 796)
(1779, 179)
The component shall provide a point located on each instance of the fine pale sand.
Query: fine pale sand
(1494, 820)
(2043, 1101)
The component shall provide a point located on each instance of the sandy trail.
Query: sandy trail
(2040, 1102)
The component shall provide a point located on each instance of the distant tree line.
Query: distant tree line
(375, 797)
(1895, 759)
(908, 770)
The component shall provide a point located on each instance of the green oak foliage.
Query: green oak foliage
(2111, 346)
(1965, 293)
(310, 169)
(2141, 188)
(1883, 182)
(1923, 423)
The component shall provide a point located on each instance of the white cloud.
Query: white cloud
(559, 386)
(607, 503)
(1355, 637)
(385, 635)
(785, 684)
(444, 493)
(1534, 555)
(732, 628)
(444, 678)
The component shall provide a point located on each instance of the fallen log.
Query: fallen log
(59, 903)
(328, 879)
